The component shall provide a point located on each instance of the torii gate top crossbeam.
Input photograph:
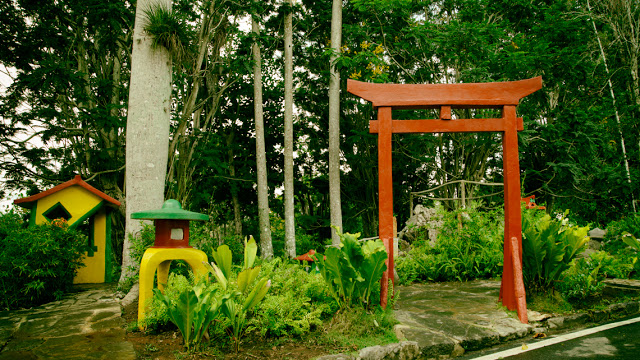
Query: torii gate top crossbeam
(420, 96)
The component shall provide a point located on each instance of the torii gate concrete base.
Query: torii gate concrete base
(501, 95)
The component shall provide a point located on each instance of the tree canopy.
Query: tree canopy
(64, 112)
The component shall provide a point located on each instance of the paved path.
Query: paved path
(451, 318)
(84, 325)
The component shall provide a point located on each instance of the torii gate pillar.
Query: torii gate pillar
(502, 95)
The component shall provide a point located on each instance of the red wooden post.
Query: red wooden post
(512, 220)
(385, 196)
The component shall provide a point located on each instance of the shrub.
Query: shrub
(296, 303)
(548, 247)
(353, 270)
(139, 244)
(613, 240)
(469, 246)
(584, 279)
(157, 317)
(304, 241)
(37, 264)
(232, 297)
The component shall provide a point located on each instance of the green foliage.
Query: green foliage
(352, 271)
(200, 238)
(139, 244)
(358, 328)
(616, 230)
(157, 317)
(634, 250)
(548, 247)
(193, 311)
(304, 241)
(38, 263)
(469, 246)
(168, 32)
(245, 293)
(584, 279)
(193, 307)
(296, 303)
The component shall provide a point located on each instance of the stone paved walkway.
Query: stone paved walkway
(84, 325)
(447, 319)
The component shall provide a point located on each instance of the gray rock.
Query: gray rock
(423, 217)
(631, 307)
(540, 330)
(575, 320)
(594, 245)
(597, 233)
(457, 351)
(336, 357)
(556, 322)
(405, 350)
(599, 316)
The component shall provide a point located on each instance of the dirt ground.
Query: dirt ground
(168, 345)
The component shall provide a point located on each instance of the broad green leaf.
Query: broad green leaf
(372, 269)
(371, 246)
(222, 257)
(257, 294)
(246, 278)
(631, 241)
(250, 251)
(218, 274)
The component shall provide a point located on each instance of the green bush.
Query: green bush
(352, 271)
(613, 240)
(157, 317)
(469, 246)
(583, 280)
(139, 244)
(37, 264)
(296, 303)
(548, 247)
(304, 241)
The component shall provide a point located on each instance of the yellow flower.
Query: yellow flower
(356, 75)
(365, 45)
(378, 49)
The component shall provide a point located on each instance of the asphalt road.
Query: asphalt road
(619, 340)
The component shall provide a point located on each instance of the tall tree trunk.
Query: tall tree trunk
(266, 247)
(289, 216)
(147, 129)
(334, 123)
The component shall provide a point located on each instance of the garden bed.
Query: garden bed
(168, 345)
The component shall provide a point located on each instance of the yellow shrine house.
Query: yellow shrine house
(83, 206)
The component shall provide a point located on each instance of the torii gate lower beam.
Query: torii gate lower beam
(504, 96)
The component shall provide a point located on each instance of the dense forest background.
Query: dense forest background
(66, 71)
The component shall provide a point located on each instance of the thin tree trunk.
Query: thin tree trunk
(237, 216)
(334, 123)
(266, 247)
(147, 130)
(289, 215)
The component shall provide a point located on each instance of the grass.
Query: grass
(553, 302)
(356, 329)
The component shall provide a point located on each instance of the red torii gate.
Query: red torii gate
(501, 95)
